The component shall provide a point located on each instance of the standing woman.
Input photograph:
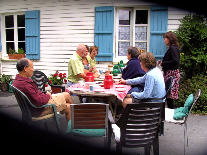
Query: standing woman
(170, 65)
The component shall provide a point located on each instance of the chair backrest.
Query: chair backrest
(168, 85)
(139, 123)
(40, 79)
(24, 103)
(196, 96)
(89, 116)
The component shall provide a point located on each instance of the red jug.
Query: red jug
(89, 77)
(108, 81)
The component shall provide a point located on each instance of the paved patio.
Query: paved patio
(172, 143)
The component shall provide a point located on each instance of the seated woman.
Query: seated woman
(87, 65)
(154, 81)
(133, 69)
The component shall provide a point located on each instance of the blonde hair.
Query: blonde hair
(140, 51)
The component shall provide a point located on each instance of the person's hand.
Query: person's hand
(159, 62)
(122, 81)
(49, 94)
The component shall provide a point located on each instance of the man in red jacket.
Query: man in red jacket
(25, 84)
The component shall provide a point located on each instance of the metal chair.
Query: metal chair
(24, 104)
(41, 79)
(138, 126)
(170, 112)
(90, 116)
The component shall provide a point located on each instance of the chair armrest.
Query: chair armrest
(58, 86)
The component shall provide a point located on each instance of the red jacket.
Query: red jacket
(29, 88)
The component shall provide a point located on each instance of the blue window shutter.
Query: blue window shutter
(158, 27)
(104, 27)
(32, 34)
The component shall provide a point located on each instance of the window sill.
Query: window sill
(7, 59)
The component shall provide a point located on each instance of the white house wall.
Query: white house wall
(63, 25)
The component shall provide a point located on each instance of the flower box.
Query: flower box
(16, 56)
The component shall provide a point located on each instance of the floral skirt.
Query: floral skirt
(174, 90)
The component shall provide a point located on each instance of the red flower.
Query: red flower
(50, 81)
(65, 80)
(46, 85)
(55, 75)
(60, 75)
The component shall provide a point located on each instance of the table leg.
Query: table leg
(80, 98)
(115, 108)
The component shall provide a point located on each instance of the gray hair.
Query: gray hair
(23, 62)
(81, 47)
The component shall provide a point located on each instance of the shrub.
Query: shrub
(192, 37)
(191, 86)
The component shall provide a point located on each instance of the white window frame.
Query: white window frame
(3, 32)
(132, 29)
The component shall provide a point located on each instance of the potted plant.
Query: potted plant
(4, 82)
(13, 54)
(57, 79)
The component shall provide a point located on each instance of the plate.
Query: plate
(120, 89)
(116, 77)
(77, 89)
(101, 77)
(119, 86)
(98, 90)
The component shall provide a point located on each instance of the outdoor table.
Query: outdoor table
(105, 95)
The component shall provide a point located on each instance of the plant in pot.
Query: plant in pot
(4, 82)
(57, 79)
(13, 54)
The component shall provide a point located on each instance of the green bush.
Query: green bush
(192, 37)
(191, 86)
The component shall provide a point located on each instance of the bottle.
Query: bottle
(116, 71)
(89, 77)
(108, 81)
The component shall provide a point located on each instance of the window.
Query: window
(132, 29)
(13, 27)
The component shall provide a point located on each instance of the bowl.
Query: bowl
(87, 84)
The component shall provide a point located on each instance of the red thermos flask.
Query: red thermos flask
(108, 81)
(89, 77)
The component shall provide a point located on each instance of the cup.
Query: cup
(101, 71)
(80, 83)
(91, 87)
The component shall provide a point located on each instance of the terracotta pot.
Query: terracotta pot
(4, 86)
(55, 90)
(16, 56)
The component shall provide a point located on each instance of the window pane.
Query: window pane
(124, 33)
(20, 21)
(124, 17)
(142, 46)
(141, 17)
(141, 33)
(9, 34)
(21, 45)
(21, 34)
(9, 21)
(11, 45)
(122, 48)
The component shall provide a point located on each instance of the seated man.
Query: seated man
(76, 67)
(154, 81)
(25, 84)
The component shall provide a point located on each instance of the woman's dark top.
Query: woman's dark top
(171, 59)
(133, 70)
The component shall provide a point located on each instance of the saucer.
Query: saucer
(120, 89)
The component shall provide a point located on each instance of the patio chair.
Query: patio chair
(24, 104)
(89, 120)
(41, 79)
(138, 126)
(168, 85)
(169, 113)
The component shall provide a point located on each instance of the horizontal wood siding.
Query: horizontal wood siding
(174, 15)
(64, 25)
